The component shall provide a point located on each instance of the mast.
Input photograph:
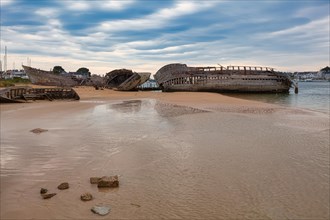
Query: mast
(5, 60)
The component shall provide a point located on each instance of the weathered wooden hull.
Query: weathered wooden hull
(179, 77)
(7, 100)
(229, 89)
(125, 80)
(23, 94)
(47, 78)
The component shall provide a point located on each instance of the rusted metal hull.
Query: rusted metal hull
(180, 77)
(23, 94)
(125, 80)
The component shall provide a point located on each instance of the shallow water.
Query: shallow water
(312, 95)
(172, 162)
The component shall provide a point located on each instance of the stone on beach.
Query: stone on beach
(48, 196)
(38, 130)
(86, 197)
(101, 210)
(63, 186)
(108, 181)
(94, 180)
(43, 191)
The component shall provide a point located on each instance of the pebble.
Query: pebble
(64, 185)
(38, 130)
(43, 191)
(86, 197)
(101, 210)
(48, 196)
(108, 181)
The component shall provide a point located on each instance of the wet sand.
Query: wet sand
(178, 155)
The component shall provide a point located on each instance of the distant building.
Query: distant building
(325, 73)
(150, 84)
(10, 74)
(307, 75)
(78, 75)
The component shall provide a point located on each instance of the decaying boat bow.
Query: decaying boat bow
(180, 77)
(125, 80)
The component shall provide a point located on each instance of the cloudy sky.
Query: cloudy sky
(144, 35)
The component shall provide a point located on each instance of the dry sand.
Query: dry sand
(178, 155)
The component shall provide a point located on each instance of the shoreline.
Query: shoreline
(175, 153)
(205, 101)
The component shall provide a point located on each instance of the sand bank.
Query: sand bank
(178, 155)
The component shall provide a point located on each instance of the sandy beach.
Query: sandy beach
(178, 156)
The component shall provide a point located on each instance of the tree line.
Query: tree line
(83, 71)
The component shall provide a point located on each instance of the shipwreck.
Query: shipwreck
(48, 78)
(180, 77)
(120, 79)
(125, 80)
(25, 93)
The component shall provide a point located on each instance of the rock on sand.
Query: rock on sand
(100, 209)
(48, 196)
(108, 181)
(43, 191)
(86, 197)
(38, 130)
(63, 186)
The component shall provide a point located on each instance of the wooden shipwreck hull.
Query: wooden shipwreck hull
(23, 94)
(180, 77)
(125, 80)
(48, 78)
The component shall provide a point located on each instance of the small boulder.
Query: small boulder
(101, 210)
(43, 191)
(38, 130)
(48, 196)
(86, 197)
(63, 186)
(94, 180)
(108, 181)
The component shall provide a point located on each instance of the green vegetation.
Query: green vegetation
(12, 82)
(84, 71)
(58, 69)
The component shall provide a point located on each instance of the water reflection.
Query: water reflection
(131, 106)
(172, 110)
